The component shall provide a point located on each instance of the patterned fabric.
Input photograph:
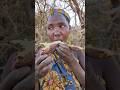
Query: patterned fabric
(52, 80)
(53, 11)
(57, 81)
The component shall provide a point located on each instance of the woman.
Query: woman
(58, 29)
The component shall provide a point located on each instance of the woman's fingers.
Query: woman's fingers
(38, 53)
(40, 59)
(42, 65)
(65, 46)
(63, 52)
(60, 53)
(45, 62)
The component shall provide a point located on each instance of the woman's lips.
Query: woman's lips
(58, 38)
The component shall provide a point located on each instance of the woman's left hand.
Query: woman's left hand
(66, 54)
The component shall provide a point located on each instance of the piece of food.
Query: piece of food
(50, 47)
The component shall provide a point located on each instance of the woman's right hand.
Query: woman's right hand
(42, 64)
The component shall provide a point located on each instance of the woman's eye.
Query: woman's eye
(62, 26)
(50, 28)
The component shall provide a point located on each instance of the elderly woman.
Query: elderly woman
(54, 75)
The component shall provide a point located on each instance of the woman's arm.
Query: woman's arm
(79, 72)
(68, 56)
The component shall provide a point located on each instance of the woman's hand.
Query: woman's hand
(42, 64)
(67, 55)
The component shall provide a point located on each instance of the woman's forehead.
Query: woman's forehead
(56, 19)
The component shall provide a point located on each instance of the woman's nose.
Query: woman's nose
(56, 28)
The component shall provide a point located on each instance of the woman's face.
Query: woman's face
(57, 28)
